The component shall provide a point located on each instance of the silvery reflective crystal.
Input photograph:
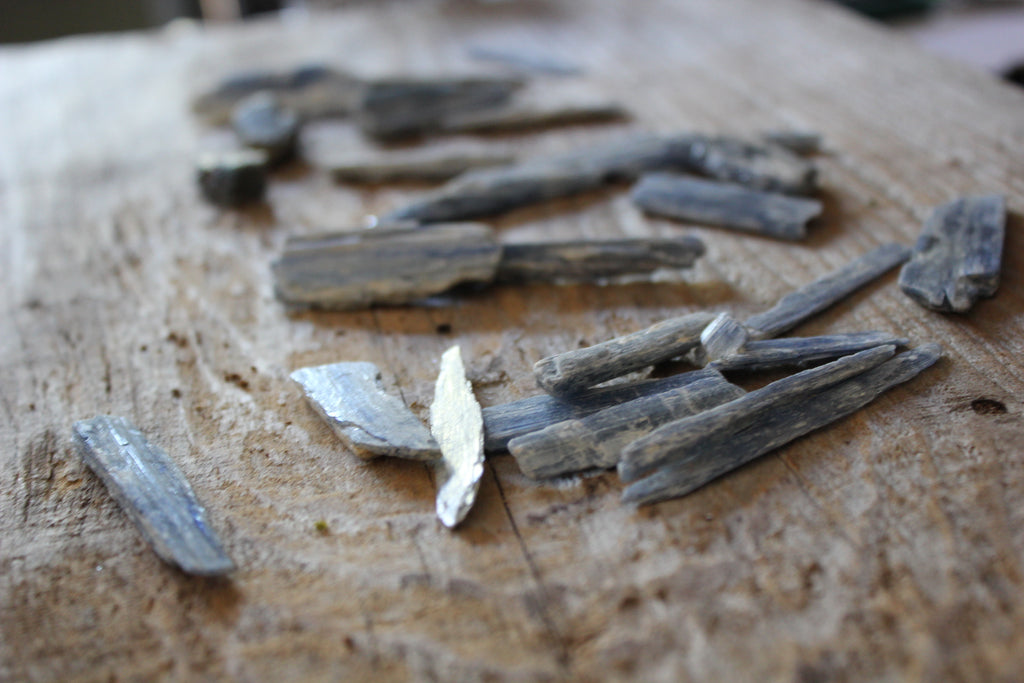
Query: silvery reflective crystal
(154, 494)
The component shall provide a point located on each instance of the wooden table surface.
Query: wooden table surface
(886, 547)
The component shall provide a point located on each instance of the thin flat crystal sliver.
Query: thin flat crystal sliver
(457, 424)
(713, 454)
(154, 493)
(350, 398)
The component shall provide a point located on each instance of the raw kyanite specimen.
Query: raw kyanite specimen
(524, 61)
(956, 260)
(527, 115)
(814, 297)
(234, 177)
(457, 424)
(264, 122)
(506, 421)
(706, 446)
(312, 91)
(726, 205)
(796, 141)
(419, 165)
(597, 440)
(153, 492)
(402, 107)
(594, 260)
(661, 446)
(769, 168)
(351, 399)
(765, 354)
(576, 370)
(495, 191)
(402, 265)
(383, 266)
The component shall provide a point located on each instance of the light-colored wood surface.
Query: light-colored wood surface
(888, 547)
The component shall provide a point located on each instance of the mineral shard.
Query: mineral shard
(724, 336)
(766, 354)
(457, 424)
(428, 165)
(710, 454)
(769, 168)
(596, 441)
(232, 178)
(383, 266)
(264, 122)
(957, 258)
(676, 439)
(153, 492)
(351, 399)
(576, 370)
(312, 91)
(493, 191)
(583, 260)
(814, 297)
(526, 116)
(506, 421)
(725, 205)
(797, 141)
(403, 107)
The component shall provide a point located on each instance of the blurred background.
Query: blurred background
(987, 34)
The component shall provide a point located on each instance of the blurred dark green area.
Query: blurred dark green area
(29, 20)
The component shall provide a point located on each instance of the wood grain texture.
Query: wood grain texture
(887, 547)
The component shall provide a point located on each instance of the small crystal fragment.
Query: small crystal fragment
(725, 205)
(351, 399)
(797, 141)
(457, 424)
(768, 168)
(154, 493)
(575, 370)
(957, 259)
(420, 165)
(232, 178)
(676, 439)
(814, 297)
(724, 336)
(596, 441)
(264, 122)
(709, 455)
(506, 421)
(402, 107)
